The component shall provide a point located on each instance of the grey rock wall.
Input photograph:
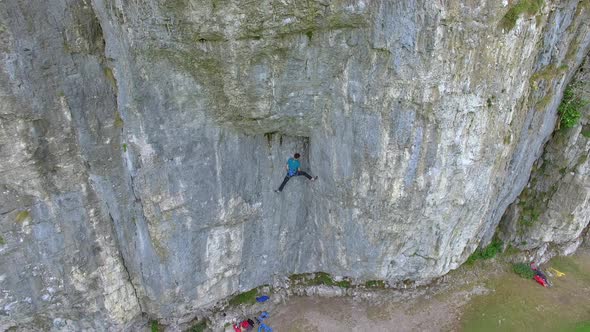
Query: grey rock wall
(60, 261)
(143, 141)
(553, 210)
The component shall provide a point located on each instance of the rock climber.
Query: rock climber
(292, 168)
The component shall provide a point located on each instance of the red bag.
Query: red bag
(540, 281)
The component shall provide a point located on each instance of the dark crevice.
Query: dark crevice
(127, 272)
(137, 200)
(97, 47)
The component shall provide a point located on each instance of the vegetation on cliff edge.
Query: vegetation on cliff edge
(529, 7)
(570, 109)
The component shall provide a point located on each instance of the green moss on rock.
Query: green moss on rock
(248, 297)
(528, 7)
(118, 120)
(312, 279)
(22, 216)
(544, 102)
(110, 77)
(531, 207)
(375, 284)
(200, 326)
(549, 72)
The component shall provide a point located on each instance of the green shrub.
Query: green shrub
(321, 278)
(529, 7)
(2, 242)
(248, 297)
(494, 248)
(343, 284)
(569, 109)
(523, 270)
(154, 326)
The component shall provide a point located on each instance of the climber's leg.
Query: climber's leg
(284, 183)
(304, 174)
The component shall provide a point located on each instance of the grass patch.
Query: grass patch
(375, 284)
(523, 270)
(569, 109)
(248, 297)
(586, 131)
(22, 216)
(2, 242)
(124, 147)
(581, 327)
(572, 267)
(518, 304)
(529, 7)
(494, 248)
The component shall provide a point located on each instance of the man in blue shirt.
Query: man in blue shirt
(293, 170)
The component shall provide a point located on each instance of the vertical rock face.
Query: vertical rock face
(141, 143)
(554, 209)
(60, 264)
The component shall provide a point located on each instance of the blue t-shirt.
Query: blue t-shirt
(293, 166)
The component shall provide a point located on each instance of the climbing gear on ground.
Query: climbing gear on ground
(557, 273)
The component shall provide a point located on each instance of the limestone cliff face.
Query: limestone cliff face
(553, 210)
(60, 259)
(141, 143)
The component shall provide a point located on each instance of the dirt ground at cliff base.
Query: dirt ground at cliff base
(486, 296)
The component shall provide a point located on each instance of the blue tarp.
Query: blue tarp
(264, 328)
(262, 298)
(264, 315)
